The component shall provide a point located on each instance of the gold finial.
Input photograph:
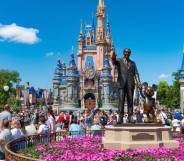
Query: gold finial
(101, 3)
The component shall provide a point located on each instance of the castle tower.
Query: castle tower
(182, 85)
(106, 77)
(56, 83)
(108, 32)
(100, 35)
(72, 88)
(80, 48)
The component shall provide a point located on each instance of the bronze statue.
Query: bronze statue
(147, 94)
(128, 76)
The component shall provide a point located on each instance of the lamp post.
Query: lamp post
(6, 88)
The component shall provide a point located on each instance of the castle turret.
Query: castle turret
(80, 47)
(106, 77)
(56, 83)
(93, 30)
(100, 31)
(72, 85)
(182, 85)
(100, 35)
(108, 32)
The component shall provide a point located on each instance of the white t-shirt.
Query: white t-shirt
(5, 135)
(30, 130)
(51, 121)
(43, 128)
(163, 117)
(182, 123)
(175, 123)
(5, 115)
(16, 133)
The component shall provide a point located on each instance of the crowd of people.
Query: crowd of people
(34, 122)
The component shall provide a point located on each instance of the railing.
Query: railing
(13, 147)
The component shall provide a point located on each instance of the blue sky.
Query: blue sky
(153, 29)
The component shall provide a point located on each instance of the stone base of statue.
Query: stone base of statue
(109, 106)
(69, 107)
(133, 136)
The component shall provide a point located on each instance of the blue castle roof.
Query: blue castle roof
(106, 62)
(106, 72)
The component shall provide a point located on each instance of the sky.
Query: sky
(34, 33)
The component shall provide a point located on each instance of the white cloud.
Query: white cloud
(164, 76)
(49, 54)
(15, 33)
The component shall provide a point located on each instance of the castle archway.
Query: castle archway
(90, 101)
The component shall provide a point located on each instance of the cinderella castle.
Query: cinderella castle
(92, 81)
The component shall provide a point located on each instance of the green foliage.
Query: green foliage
(100, 103)
(169, 95)
(31, 152)
(8, 78)
(79, 103)
(15, 104)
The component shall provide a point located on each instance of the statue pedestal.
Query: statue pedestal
(133, 136)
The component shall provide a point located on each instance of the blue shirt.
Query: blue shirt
(75, 130)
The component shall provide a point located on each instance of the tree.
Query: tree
(8, 78)
(176, 89)
(162, 92)
(169, 95)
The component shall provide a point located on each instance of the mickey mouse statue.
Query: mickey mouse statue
(147, 93)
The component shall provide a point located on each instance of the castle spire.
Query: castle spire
(81, 32)
(81, 36)
(182, 65)
(100, 33)
(108, 30)
(101, 3)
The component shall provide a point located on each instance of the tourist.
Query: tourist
(51, 122)
(163, 117)
(175, 125)
(125, 118)
(96, 128)
(5, 114)
(43, 128)
(103, 118)
(158, 116)
(68, 118)
(5, 136)
(139, 117)
(29, 129)
(182, 125)
(177, 115)
(74, 128)
(88, 119)
(36, 120)
(60, 118)
(110, 121)
(16, 131)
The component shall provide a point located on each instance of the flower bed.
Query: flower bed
(91, 149)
